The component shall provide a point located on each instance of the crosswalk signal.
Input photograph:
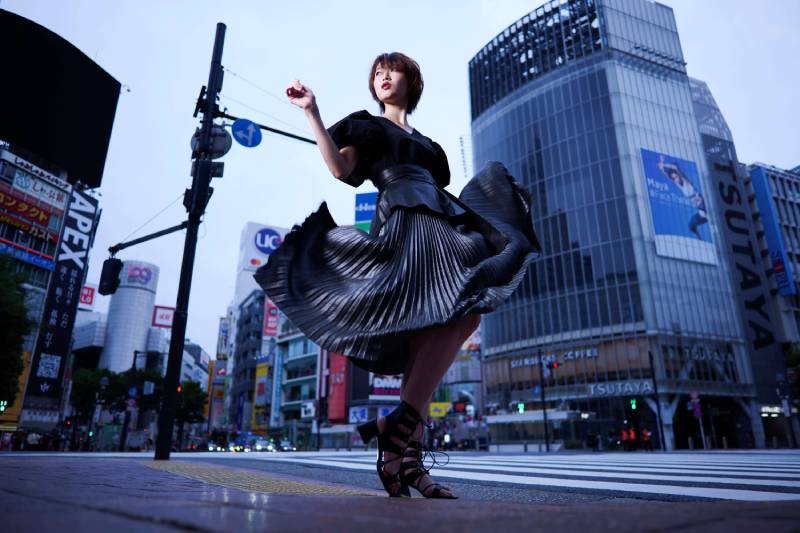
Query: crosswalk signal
(3, 405)
(520, 407)
(633, 403)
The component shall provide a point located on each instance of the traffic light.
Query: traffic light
(91, 433)
(109, 277)
(520, 407)
(554, 365)
(179, 389)
(633, 403)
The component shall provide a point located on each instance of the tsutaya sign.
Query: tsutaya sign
(620, 388)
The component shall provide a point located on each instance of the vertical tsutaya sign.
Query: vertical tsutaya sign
(53, 342)
(678, 208)
(365, 209)
(781, 266)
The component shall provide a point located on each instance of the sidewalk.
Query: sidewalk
(107, 494)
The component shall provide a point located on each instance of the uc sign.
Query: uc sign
(267, 240)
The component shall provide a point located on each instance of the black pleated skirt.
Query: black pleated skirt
(366, 296)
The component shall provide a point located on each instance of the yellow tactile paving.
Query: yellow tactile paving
(249, 480)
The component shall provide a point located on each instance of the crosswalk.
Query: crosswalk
(752, 476)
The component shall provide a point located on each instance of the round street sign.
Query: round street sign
(246, 133)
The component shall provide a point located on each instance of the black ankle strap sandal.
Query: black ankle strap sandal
(394, 438)
(412, 471)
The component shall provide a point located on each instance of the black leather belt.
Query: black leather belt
(405, 171)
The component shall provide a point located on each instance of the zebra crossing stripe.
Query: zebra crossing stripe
(551, 482)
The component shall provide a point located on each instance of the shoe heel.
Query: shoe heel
(368, 430)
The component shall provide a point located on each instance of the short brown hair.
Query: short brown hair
(406, 65)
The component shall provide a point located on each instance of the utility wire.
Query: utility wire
(256, 110)
(153, 217)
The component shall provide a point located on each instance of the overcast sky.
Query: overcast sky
(745, 50)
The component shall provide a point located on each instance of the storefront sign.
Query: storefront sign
(88, 293)
(28, 209)
(163, 316)
(35, 231)
(30, 184)
(53, 341)
(439, 409)
(560, 357)
(270, 318)
(337, 386)
(36, 171)
(620, 388)
(26, 254)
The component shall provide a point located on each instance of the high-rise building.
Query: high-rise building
(589, 105)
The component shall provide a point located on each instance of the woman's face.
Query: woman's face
(390, 86)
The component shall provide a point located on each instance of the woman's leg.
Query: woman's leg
(432, 351)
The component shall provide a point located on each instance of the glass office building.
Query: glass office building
(589, 106)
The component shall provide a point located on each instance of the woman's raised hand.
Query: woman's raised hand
(300, 95)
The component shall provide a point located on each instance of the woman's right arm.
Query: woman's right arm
(342, 162)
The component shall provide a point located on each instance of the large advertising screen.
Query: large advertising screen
(678, 208)
(781, 265)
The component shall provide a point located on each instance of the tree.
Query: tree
(86, 390)
(190, 405)
(14, 326)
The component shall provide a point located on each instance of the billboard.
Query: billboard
(337, 387)
(162, 316)
(781, 265)
(257, 243)
(365, 209)
(270, 318)
(677, 208)
(63, 293)
(139, 275)
(385, 388)
(223, 335)
(88, 294)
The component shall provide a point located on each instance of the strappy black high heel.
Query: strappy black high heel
(412, 471)
(397, 431)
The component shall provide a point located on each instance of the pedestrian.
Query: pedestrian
(632, 438)
(624, 439)
(404, 297)
(646, 443)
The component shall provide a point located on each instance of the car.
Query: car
(265, 445)
(286, 446)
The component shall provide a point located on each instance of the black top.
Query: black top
(381, 144)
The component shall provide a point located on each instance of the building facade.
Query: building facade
(759, 230)
(589, 106)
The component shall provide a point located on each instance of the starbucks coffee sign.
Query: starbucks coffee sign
(621, 388)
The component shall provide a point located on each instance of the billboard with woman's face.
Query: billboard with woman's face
(677, 208)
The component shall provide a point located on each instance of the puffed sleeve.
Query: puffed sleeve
(442, 174)
(359, 131)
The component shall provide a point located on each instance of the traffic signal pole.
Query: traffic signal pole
(199, 198)
(544, 407)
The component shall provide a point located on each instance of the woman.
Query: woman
(403, 298)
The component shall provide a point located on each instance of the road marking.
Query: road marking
(252, 481)
(673, 490)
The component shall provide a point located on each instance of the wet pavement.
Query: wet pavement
(90, 493)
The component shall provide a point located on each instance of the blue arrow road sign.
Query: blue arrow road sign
(246, 133)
